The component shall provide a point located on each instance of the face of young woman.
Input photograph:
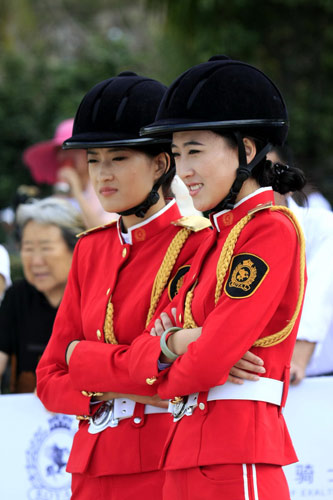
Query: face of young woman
(207, 164)
(46, 258)
(122, 178)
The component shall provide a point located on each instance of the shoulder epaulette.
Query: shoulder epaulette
(97, 228)
(261, 206)
(193, 222)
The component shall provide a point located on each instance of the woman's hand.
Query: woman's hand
(303, 351)
(163, 323)
(71, 176)
(4, 357)
(179, 341)
(243, 368)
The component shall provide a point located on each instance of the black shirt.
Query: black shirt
(26, 321)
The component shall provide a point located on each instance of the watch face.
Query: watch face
(103, 413)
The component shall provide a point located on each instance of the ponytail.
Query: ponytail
(282, 178)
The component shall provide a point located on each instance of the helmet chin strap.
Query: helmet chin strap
(152, 198)
(242, 174)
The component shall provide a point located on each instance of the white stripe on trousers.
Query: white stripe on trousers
(255, 485)
(246, 482)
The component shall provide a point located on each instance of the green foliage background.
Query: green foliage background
(53, 51)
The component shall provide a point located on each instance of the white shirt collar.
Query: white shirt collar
(255, 193)
(127, 237)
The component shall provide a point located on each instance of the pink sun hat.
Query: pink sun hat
(41, 158)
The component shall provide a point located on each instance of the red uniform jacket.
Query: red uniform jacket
(232, 431)
(103, 265)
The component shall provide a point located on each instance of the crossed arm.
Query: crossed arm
(245, 369)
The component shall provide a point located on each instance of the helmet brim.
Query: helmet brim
(86, 143)
(166, 127)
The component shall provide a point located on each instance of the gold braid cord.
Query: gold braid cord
(165, 270)
(160, 282)
(109, 335)
(227, 253)
(278, 337)
(224, 263)
(221, 270)
(188, 318)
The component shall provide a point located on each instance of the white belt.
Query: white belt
(111, 412)
(265, 389)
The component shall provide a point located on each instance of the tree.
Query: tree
(290, 40)
(42, 80)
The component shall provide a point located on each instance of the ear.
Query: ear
(162, 164)
(250, 148)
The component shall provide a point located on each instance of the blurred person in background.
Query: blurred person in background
(48, 231)
(313, 197)
(313, 352)
(67, 171)
(5, 280)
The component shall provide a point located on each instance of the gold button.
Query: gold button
(202, 406)
(85, 393)
(99, 334)
(124, 252)
(180, 318)
(151, 381)
(108, 291)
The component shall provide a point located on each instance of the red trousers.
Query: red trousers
(144, 486)
(227, 482)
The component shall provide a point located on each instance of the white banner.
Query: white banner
(35, 445)
(309, 416)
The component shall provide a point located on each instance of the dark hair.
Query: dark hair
(282, 177)
(153, 150)
(288, 177)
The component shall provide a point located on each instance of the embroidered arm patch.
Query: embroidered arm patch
(247, 271)
(177, 281)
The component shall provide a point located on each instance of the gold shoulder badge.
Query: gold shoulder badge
(193, 222)
(247, 271)
(261, 206)
(176, 282)
(97, 228)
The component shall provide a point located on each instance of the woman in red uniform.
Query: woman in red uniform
(244, 290)
(126, 269)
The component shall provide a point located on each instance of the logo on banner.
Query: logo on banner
(47, 458)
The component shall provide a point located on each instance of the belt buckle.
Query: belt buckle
(178, 407)
(102, 418)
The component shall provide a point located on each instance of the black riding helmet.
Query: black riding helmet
(112, 113)
(225, 95)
